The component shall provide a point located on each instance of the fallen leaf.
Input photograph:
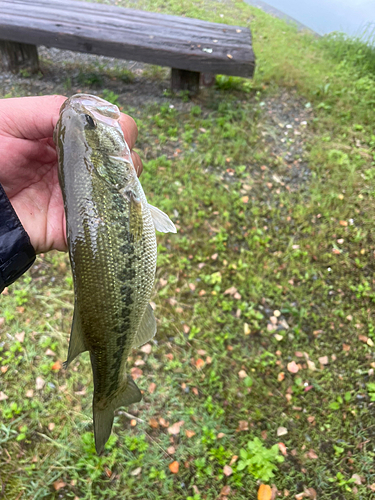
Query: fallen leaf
(20, 336)
(152, 387)
(293, 367)
(225, 490)
(282, 449)
(133, 422)
(214, 256)
(4, 369)
(199, 363)
(29, 393)
(39, 383)
(171, 450)
(136, 471)
(136, 373)
(242, 374)
(192, 287)
(246, 329)
(163, 282)
(230, 291)
(245, 199)
(163, 422)
(146, 348)
(59, 484)
(228, 471)
(310, 493)
(346, 347)
(311, 454)
(363, 338)
(281, 431)
(220, 435)
(281, 376)
(202, 292)
(175, 428)
(323, 360)
(153, 423)
(3, 396)
(139, 362)
(311, 365)
(174, 466)
(237, 296)
(243, 425)
(264, 492)
(49, 352)
(189, 434)
(343, 223)
(186, 329)
(56, 366)
(51, 426)
(357, 479)
(233, 459)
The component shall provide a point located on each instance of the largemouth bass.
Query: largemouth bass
(112, 248)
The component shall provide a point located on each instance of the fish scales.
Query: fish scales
(112, 247)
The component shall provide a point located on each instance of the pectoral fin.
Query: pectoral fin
(77, 342)
(161, 220)
(147, 328)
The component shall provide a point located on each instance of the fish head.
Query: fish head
(96, 123)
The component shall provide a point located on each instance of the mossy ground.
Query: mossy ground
(264, 298)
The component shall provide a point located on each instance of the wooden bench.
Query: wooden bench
(188, 46)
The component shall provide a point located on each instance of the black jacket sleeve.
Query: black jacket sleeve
(16, 252)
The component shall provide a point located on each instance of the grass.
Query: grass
(264, 298)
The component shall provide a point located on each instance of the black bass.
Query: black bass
(112, 248)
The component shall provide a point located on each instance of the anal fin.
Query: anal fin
(77, 341)
(147, 328)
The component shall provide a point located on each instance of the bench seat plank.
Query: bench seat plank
(178, 42)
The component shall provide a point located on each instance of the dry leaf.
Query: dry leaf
(49, 352)
(152, 387)
(281, 431)
(189, 434)
(233, 459)
(136, 373)
(51, 426)
(281, 376)
(225, 490)
(175, 428)
(323, 360)
(153, 423)
(163, 282)
(292, 367)
(20, 336)
(245, 199)
(139, 362)
(246, 329)
(199, 363)
(4, 369)
(230, 291)
(136, 471)
(220, 435)
(171, 450)
(3, 396)
(242, 374)
(357, 479)
(59, 484)
(146, 348)
(228, 471)
(264, 492)
(311, 454)
(186, 329)
(202, 292)
(174, 466)
(29, 393)
(343, 223)
(310, 493)
(163, 422)
(311, 365)
(282, 449)
(56, 366)
(39, 383)
(243, 425)
(192, 287)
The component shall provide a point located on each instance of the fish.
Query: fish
(112, 246)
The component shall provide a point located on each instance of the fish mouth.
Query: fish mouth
(103, 111)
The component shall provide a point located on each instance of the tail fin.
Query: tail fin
(103, 418)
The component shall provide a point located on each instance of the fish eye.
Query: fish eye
(90, 121)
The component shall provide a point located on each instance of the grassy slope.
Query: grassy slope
(272, 233)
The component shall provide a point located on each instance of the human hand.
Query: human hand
(28, 166)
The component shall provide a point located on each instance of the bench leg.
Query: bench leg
(185, 80)
(15, 56)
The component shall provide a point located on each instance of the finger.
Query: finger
(130, 129)
(30, 117)
(137, 162)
